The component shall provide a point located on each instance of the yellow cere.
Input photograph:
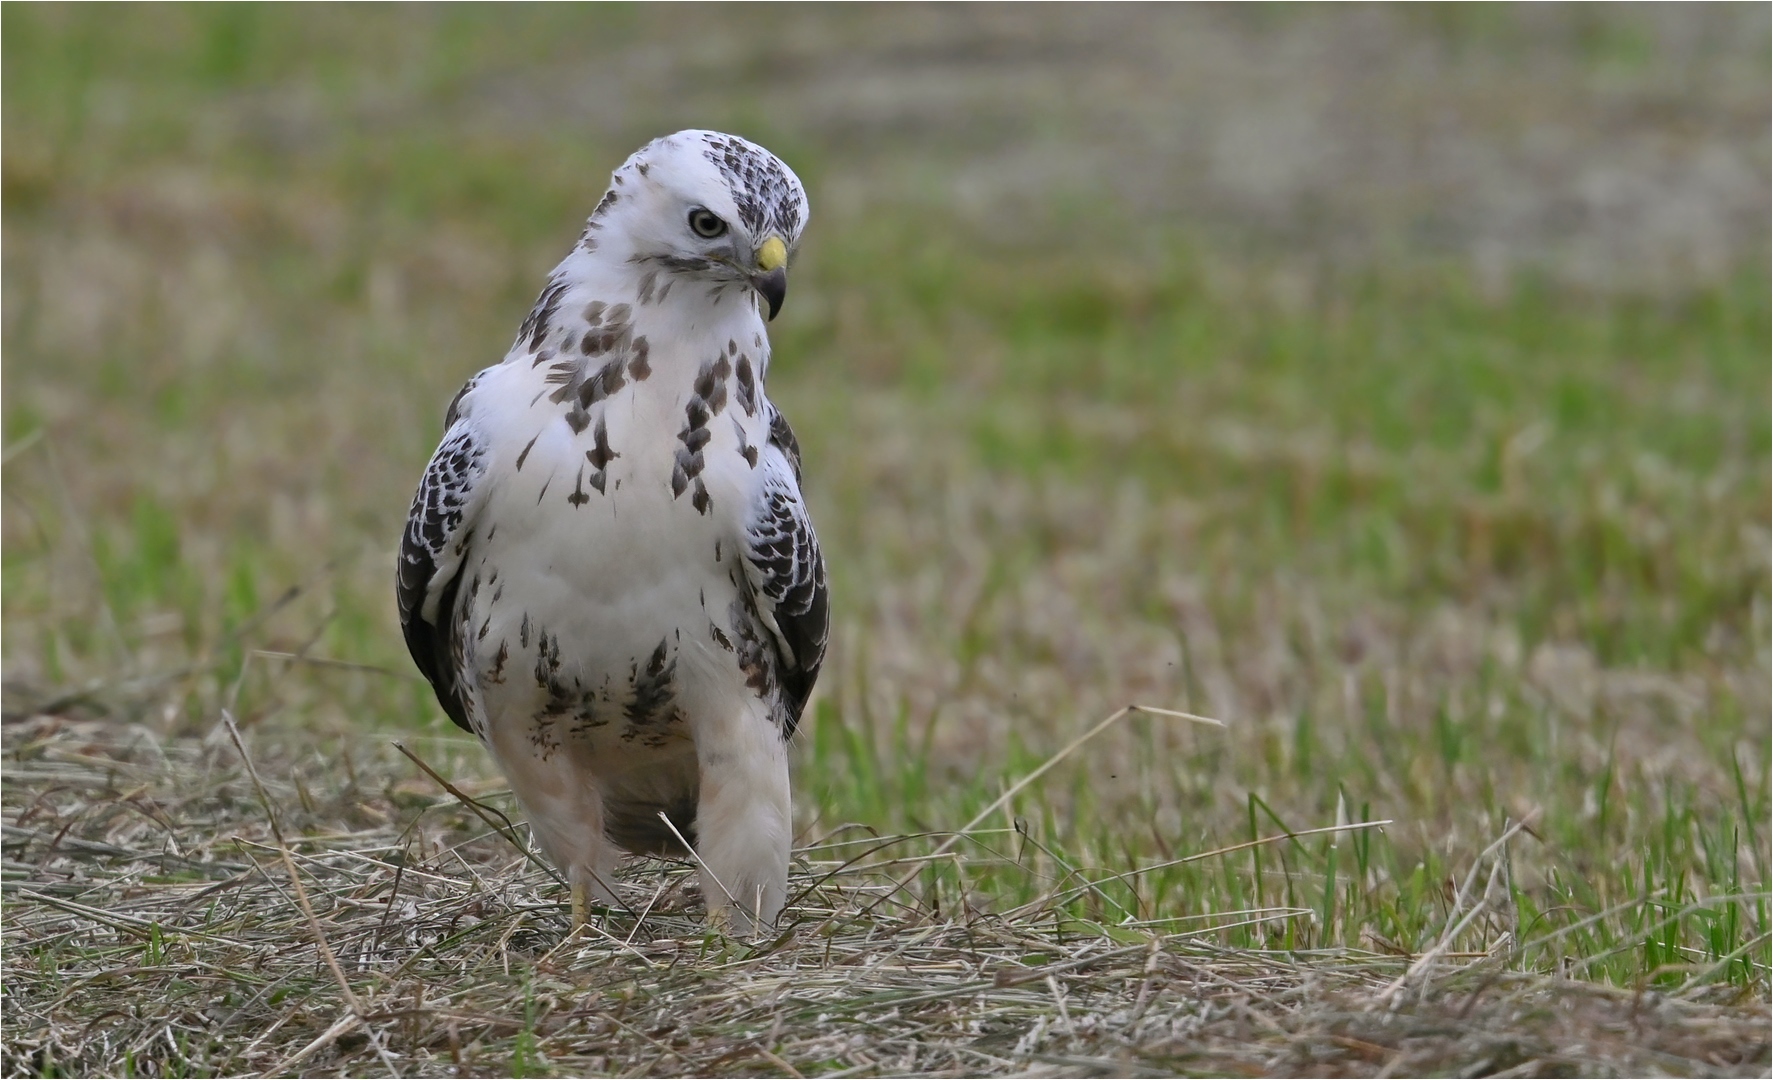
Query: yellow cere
(772, 254)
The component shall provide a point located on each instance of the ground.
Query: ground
(1389, 384)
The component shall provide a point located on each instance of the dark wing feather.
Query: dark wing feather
(431, 562)
(788, 572)
(782, 438)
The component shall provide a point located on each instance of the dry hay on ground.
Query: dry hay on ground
(151, 927)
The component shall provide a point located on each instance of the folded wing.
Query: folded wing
(786, 570)
(433, 550)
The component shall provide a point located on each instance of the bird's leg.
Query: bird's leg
(581, 902)
(589, 884)
(743, 824)
(720, 917)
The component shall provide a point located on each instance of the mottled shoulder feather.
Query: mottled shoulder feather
(438, 530)
(782, 437)
(454, 412)
(788, 570)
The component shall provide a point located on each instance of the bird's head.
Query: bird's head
(708, 205)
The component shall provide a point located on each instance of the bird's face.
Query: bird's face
(712, 206)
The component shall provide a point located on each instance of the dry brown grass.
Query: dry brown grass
(155, 871)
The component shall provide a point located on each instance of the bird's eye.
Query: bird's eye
(704, 223)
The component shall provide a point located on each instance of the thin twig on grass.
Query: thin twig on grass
(1060, 755)
(1454, 928)
(773, 1059)
(295, 878)
(1127, 875)
(669, 824)
(503, 826)
(341, 665)
(19, 446)
(326, 1038)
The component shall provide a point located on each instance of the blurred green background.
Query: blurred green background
(1389, 382)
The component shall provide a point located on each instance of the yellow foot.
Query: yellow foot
(720, 920)
(581, 902)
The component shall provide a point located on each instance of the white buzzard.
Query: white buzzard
(608, 573)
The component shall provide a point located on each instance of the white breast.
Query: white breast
(608, 561)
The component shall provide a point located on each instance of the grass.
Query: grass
(1473, 562)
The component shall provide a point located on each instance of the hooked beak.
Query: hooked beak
(771, 280)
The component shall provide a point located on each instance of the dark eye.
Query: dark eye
(705, 224)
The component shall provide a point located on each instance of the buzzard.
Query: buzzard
(608, 573)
